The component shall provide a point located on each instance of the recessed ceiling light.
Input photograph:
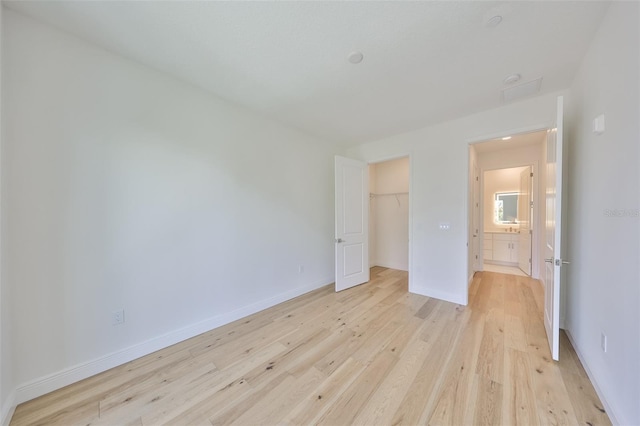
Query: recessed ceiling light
(356, 57)
(494, 21)
(512, 78)
(506, 138)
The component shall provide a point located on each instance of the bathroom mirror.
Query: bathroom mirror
(505, 208)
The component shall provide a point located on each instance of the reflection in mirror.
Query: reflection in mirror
(505, 207)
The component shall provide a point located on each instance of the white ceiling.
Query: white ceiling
(424, 62)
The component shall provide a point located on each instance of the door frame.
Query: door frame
(484, 138)
(474, 251)
(382, 159)
(531, 216)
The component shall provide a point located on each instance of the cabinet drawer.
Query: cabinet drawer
(502, 237)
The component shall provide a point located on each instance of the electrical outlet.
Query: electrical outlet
(603, 342)
(117, 317)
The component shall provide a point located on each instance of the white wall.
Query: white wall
(500, 180)
(125, 188)
(439, 186)
(391, 213)
(604, 278)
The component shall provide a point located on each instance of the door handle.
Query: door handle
(557, 262)
(339, 240)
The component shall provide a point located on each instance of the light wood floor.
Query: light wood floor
(374, 354)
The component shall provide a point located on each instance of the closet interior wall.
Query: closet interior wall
(389, 214)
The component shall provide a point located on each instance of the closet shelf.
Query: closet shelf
(389, 193)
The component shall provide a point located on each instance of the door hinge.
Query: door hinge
(531, 204)
(531, 174)
(477, 178)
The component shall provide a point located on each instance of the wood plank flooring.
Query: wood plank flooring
(371, 355)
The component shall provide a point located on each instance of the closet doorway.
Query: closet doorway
(389, 214)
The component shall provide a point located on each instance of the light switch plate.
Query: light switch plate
(598, 124)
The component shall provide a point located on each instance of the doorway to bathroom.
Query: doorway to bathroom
(507, 204)
(506, 231)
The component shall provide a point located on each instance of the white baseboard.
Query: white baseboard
(8, 409)
(607, 407)
(441, 295)
(392, 265)
(57, 380)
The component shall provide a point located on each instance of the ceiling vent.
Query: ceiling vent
(521, 90)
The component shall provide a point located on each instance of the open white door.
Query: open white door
(352, 223)
(553, 248)
(524, 221)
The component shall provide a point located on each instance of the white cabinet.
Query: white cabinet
(502, 247)
(502, 250)
(488, 247)
(514, 249)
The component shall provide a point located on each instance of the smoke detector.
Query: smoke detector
(356, 57)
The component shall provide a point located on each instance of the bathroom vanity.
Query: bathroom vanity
(501, 247)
